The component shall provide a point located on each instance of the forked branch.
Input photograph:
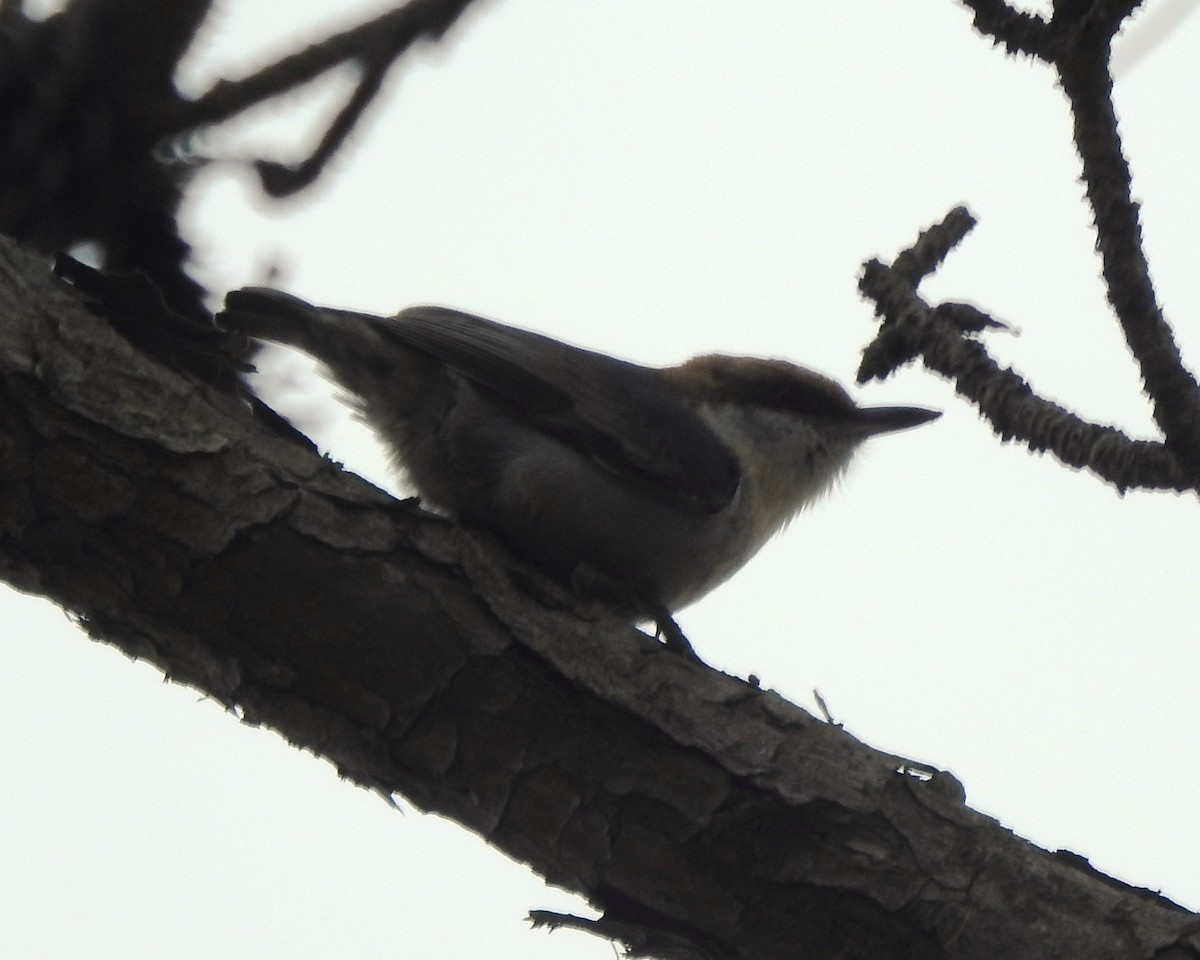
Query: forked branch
(1077, 42)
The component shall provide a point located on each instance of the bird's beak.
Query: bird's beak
(875, 420)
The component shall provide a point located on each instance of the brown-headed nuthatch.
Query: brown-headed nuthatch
(646, 486)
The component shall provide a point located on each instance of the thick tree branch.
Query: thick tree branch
(690, 807)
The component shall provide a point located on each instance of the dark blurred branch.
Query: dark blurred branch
(379, 40)
(374, 46)
(281, 180)
(88, 108)
(83, 95)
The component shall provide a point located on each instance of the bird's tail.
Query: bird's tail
(330, 335)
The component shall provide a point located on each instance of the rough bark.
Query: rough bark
(705, 816)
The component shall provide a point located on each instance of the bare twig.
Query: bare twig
(933, 245)
(911, 328)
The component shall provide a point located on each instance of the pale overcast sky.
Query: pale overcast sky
(658, 180)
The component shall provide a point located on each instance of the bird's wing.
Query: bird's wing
(632, 426)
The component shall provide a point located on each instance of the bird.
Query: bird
(643, 487)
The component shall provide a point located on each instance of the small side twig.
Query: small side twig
(821, 705)
(895, 344)
(639, 940)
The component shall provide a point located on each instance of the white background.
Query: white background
(658, 180)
